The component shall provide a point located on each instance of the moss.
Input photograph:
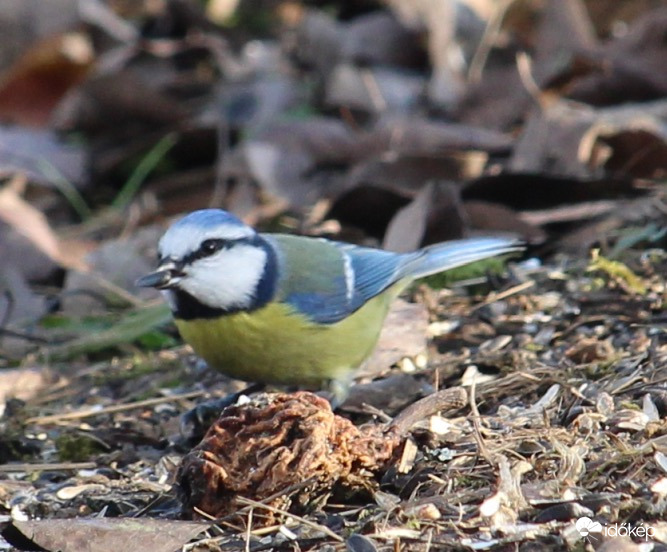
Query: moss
(78, 446)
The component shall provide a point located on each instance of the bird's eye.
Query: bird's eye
(208, 247)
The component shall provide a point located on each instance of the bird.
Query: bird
(284, 309)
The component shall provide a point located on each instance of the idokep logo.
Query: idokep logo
(587, 528)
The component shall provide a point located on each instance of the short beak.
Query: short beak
(164, 277)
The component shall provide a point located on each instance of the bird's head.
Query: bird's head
(213, 260)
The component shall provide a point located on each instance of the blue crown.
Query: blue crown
(208, 218)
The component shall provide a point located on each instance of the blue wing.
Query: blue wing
(374, 269)
(327, 281)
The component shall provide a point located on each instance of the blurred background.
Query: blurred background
(388, 123)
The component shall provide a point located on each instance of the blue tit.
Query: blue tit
(284, 309)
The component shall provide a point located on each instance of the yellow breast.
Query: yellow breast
(274, 344)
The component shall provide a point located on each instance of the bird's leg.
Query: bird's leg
(337, 390)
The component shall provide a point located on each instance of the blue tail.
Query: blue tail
(445, 256)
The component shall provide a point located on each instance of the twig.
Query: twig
(201, 513)
(505, 294)
(312, 524)
(523, 65)
(248, 530)
(373, 89)
(447, 399)
(79, 414)
(27, 467)
(487, 41)
(475, 423)
(381, 414)
(283, 492)
(121, 293)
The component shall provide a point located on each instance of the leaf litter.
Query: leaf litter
(306, 120)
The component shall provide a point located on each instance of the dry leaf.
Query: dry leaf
(20, 383)
(434, 215)
(104, 534)
(39, 79)
(32, 224)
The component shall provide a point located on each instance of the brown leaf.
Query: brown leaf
(31, 223)
(434, 215)
(538, 191)
(590, 350)
(439, 19)
(41, 156)
(108, 101)
(374, 90)
(628, 69)
(406, 174)
(498, 100)
(323, 139)
(40, 78)
(351, 208)
(111, 272)
(493, 217)
(390, 394)
(565, 29)
(21, 383)
(415, 136)
(584, 142)
(283, 159)
(375, 38)
(104, 534)
(406, 229)
(18, 303)
(379, 38)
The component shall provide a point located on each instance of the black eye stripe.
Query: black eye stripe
(208, 247)
(213, 245)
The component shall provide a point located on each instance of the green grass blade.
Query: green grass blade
(143, 169)
(130, 328)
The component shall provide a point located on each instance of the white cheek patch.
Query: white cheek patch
(227, 279)
(179, 241)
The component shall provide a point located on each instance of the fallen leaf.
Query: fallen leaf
(628, 69)
(493, 217)
(565, 29)
(375, 38)
(20, 383)
(373, 90)
(415, 136)
(111, 271)
(104, 534)
(434, 215)
(31, 223)
(42, 156)
(114, 100)
(440, 20)
(568, 139)
(351, 207)
(31, 89)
